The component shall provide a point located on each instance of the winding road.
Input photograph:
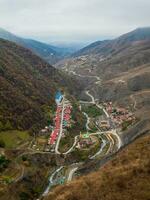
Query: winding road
(103, 144)
(75, 166)
(51, 181)
(72, 171)
(134, 100)
(87, 121)
(91, 96)
(74, 144)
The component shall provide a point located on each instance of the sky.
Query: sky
(73, 20)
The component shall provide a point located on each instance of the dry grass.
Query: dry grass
(127, 177)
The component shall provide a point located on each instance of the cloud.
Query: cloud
(68, 20)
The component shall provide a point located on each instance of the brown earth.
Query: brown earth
(126, 177)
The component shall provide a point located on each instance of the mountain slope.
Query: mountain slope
(121, 73)
(48, 52)
(27, 85)
(127, 176)
(105, 48)
(91, 48)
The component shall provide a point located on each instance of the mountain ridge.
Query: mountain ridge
(48, 52)
(99, 47)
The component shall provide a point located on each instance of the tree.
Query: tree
(8, 125)
(2, 143)
(1, 126)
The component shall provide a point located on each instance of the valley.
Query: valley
(99, 136)
(69, 126)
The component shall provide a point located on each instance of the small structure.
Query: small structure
(58, 97)
(84, 141)
(104, 125)
(84, 136)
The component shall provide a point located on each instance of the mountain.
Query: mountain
(27, 87)
(117, 71)
(138, 34)
(48, 52)
(90, 48)
(105, 48)
(122, 65)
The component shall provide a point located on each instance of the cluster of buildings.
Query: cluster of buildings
(85, 141)
(56, 130)
(57, 120)
(67, 116)
(62, 117)
(104, 125)
(119, 114)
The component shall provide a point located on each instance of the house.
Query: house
(104, 124)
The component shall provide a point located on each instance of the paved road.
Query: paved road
(51, 181)
(134, 100)
(103, 144)
(60, 135)
(21, 175)
(85, 76)
(111, 144)
(114, 131)
(74, 144)
(72, 171)
(61, 129)
(87, 122)
(91, 96)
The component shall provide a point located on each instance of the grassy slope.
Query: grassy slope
(13, 139)
(126, 177)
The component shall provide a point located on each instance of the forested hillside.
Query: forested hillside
(27, 87)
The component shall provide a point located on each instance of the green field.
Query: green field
(92, 110)
(13, 139)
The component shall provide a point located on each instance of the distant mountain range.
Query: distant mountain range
(50, 53)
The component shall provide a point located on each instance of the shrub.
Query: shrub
(2, 143)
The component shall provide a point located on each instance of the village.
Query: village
(119, 115)
(111, 118)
